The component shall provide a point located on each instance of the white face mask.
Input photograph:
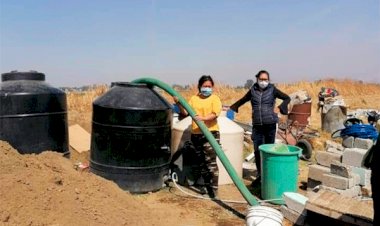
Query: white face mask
(263, 84)
(206, 91)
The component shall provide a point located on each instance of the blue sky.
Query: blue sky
(90, 42)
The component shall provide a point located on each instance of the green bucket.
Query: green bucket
(279, 170)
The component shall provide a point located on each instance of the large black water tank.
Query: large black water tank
(131, 134)
(33, 115)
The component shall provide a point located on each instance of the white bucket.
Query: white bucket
(263, 216)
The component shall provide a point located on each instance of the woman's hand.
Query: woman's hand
(182, 110)
(175, 99)
(234, 108)
(209, 117)
(199, 118)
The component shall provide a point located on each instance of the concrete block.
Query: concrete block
(353, 192)
(316, 172)
(364, 175)
(348, 142)
(338, 182)
(341, 169)
(356, 178)
(295, 201)
(363, 143)
(293, 216)
(353, 156)
(332, 144)
(334, 150)
(326, 158)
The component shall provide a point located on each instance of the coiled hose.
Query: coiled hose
(365, 131)
(219, 152)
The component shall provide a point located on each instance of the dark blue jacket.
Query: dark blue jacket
(263, 102)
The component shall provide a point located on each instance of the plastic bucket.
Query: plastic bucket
(279, 170)
(263, 216)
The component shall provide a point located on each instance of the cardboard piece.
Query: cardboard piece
(79, 139)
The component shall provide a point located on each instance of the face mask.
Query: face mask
(206, 91)
(263, 84)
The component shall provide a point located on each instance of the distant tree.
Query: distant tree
(248, 84)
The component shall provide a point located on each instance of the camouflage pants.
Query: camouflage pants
(206, 156)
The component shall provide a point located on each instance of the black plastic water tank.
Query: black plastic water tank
(131, 135)
(33, 115)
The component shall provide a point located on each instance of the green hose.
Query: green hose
(223, 158)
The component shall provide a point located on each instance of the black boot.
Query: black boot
(212, 193)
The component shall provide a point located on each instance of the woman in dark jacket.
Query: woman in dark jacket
(263, 96)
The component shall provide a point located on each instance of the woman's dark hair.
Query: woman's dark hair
(262, 72)
(204, 79)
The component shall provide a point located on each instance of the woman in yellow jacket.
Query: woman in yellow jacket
(207, 107)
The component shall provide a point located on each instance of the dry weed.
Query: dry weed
(355, 93)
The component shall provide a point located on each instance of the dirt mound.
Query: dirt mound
(45, 189)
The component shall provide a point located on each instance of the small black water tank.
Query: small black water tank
(131, 135)
(33, 115)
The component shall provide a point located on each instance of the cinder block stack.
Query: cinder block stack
(339, 168)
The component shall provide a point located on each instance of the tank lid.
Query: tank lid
(16, 75)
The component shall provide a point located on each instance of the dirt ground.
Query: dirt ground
(46, 189)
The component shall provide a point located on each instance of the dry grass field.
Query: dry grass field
(355, 93)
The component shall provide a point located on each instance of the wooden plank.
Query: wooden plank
(340, 207)
(79, 139)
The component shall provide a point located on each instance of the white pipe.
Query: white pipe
(250, 157)
(175, 179)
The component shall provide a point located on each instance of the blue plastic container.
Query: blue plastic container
(230, 114)
(176, 108)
